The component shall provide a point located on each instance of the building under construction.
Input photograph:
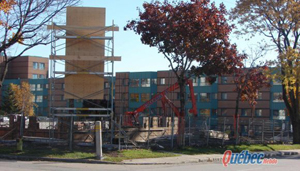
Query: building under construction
(135, 108)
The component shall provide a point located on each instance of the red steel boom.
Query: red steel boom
(162, 96)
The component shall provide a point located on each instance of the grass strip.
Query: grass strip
(135, 154)
(235, 148)
(115, 156)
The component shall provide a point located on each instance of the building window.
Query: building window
(134, 97)
(62, 97)
(39, 87)
(32, 87)
(145, 97)
(224, 80)
(46, 86)
(214, 112)
(259, 96)
(203, 81)
(277, 82)
(145, 82)
(195, 81)
(258, 112)
(204, 97)
(35, 65)
(42, 76)
(279, 114)
(223, 96)
(35, 76)
(246, 112)
(214, 96)
(134, 83)
(205, 112)
(162, 81)
(63, 86)
(277, 97)
(42, 66)
(223, 112)
(39, 99)
(154, 81)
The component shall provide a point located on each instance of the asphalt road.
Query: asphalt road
(291, 163)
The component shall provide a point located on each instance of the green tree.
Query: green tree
(278, 21)
(23, 98)
(9, 105)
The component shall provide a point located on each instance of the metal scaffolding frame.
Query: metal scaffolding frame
(54, 111)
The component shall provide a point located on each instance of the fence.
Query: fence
(251, 131)
(201, 131)
(162, 131)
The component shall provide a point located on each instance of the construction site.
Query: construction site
(84, 62)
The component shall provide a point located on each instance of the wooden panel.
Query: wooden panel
(84, 85)
(70, 28)
(85, 66)
(88, 58)
(78, 16)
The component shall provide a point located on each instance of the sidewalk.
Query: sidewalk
(203, 158)
(217, 158)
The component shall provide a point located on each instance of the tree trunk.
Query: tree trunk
(296, 131)
(292, 104)
(181, 118)
(3, 73)
(236, 128)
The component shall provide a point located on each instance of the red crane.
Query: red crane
(162, 96)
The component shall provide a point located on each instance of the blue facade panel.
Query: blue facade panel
(276, 102)
(210, 104)
(145, 84)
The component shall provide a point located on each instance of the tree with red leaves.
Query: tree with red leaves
(193, 36)
(248, 81)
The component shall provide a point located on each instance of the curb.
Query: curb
(216, 159)
(31, 158)
(281, 154)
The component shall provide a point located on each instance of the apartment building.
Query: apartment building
(28, 67)
(34, 70)
(217, 100)
(132, 89)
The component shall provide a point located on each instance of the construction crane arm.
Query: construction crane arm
(162, 96)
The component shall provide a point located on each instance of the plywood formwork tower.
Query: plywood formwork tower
(84, 53)
(88, 52)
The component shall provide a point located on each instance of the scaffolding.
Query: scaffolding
(69, 110)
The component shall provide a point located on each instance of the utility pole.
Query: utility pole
(20, 140)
